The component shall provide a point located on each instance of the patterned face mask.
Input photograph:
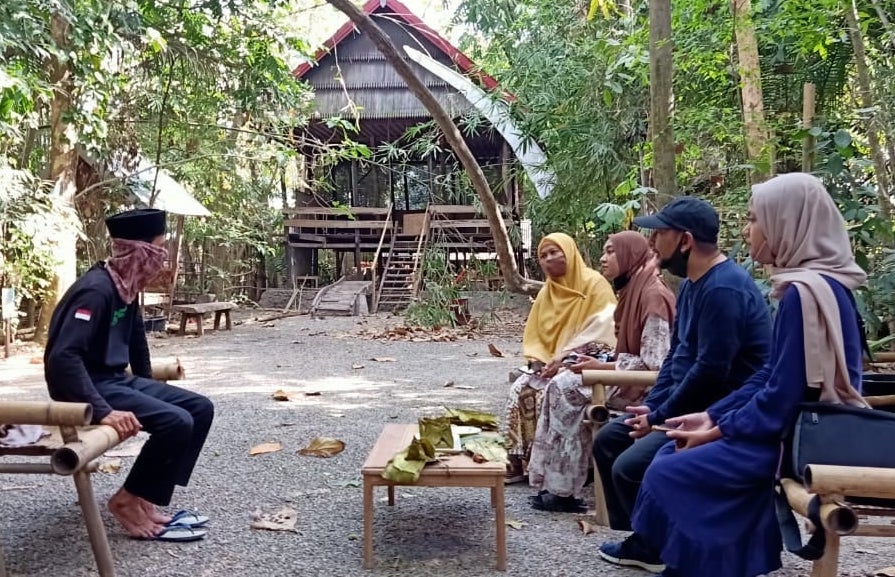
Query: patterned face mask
(133, 265)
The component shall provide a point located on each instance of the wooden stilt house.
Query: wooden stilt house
(379, 213)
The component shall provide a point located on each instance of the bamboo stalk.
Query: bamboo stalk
(619, 378)
(875, 531)
(93, 442)
(884, 357)
(598, 414)
(45, 413)
(881, 401)
(857, 481)
(836, 518)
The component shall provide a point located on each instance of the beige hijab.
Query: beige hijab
(806, 237)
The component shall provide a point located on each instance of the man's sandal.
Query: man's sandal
(177, 534)
(187, 518)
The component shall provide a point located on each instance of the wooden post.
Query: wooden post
(808, 108)
(7, 338)
(174, 258)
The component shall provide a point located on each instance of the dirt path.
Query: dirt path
(336, 390)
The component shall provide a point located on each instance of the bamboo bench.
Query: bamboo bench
(70, 451)
(839, 516)
(598, 414)
(198, 310)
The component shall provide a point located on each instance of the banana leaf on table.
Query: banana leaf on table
(406, 466)
(472, 417)
(437, 430)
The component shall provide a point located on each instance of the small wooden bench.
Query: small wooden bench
(450, 471)
(71, 450)
(198, 310)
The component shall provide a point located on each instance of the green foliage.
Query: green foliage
(29, 216)
(441, 286)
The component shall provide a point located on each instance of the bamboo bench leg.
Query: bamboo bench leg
(828, 565)
(600, 511)
(95, 529)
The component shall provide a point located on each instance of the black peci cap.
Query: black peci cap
(140, 224)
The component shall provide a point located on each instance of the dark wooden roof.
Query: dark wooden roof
(352, 79)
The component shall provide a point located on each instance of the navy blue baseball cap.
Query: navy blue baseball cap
(687, 214)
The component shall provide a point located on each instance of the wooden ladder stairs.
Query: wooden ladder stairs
(398, 287)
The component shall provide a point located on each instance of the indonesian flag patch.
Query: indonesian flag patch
(83, 314)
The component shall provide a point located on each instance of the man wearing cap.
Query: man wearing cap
(721, 336)
(95, 333)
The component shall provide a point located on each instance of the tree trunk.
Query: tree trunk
(63, 161)
(871, 120)
(505, 258)
(661, 99)
(754, 125)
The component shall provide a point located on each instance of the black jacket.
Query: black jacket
(93, 335)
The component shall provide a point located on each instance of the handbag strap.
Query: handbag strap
(789, 527)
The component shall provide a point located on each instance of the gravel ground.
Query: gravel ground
(429, 532)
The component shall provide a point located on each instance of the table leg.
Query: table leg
(183, 319)
(391, 495)
(199, 328)
(217, 319)
(368, 523)
(501, 525)
(227, 322)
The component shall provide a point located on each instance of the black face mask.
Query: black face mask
(619, 282)
(677, 262)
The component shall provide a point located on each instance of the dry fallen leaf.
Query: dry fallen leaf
(265, 448)
(384, 359)
(110, 467)
(465, 387)
(283, 520)
(586, 527)
(36, 360)
(357, 366)
(323, 447)
(514, 524)
(312, 393)
(887, 572)
(280, 395)
(495, 352)
(448, 384)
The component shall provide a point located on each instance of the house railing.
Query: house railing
(388, 226)
(421, 262)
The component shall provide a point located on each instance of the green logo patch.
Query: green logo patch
(118, 315)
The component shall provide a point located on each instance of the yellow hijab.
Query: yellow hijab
(571, 310)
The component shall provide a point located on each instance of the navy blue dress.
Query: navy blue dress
(710, 509)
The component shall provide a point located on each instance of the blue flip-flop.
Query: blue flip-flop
(177, 534)
(186, 518)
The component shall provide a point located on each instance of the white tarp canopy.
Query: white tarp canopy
(170, 195)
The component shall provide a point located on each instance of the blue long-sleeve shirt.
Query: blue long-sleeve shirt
(721, 337)
(769, 401)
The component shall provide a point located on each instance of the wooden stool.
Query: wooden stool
(198, 310)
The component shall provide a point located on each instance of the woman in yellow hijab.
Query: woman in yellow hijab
(572, 314)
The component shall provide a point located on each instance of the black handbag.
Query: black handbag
(830, 434)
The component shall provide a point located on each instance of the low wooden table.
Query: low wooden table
(198, 310)
(450, 471)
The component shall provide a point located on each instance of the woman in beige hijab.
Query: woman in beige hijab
(707, 501)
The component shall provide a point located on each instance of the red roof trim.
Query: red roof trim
(465, 65)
